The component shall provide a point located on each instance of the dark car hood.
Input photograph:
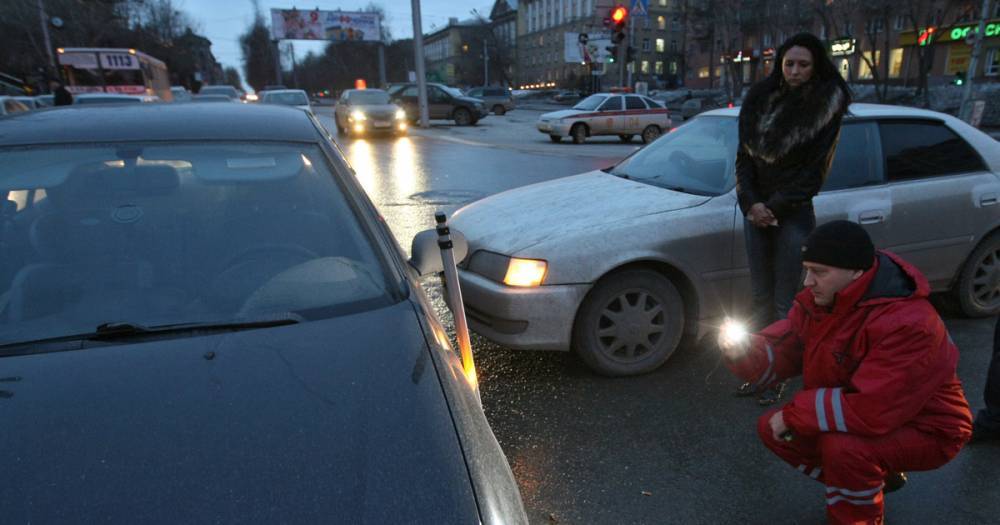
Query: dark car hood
(340, 420)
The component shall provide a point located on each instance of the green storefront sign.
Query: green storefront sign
(952, 34)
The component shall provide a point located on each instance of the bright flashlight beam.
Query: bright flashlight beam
(734, 332)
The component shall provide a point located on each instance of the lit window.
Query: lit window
(703, 72)
(660, 45)
(895, 62)
(992, 66)
(659, 68)
(645, 66)
(661, 23)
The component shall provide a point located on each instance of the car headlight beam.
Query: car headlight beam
(358, 116)
(525, 272)
(400, 114)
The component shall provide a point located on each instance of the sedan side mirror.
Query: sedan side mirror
(425, 255)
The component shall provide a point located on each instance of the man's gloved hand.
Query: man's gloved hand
(733, 339)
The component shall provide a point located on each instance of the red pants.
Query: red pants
(853, 467)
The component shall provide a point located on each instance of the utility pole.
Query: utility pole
(486, 63)
(381, 64)
(45, 34)
(631, 43)
(418, 52)
(277, 62)
(965, 109)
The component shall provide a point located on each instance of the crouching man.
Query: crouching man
(880, 394)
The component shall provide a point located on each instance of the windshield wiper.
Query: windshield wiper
(124, 331)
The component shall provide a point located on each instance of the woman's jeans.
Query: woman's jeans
(775, 258)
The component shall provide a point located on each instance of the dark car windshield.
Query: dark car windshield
(289, 98)
(590, 103)
(228, 91)
(698, 157)
(368, 97)
(106, 100)
(172, 233)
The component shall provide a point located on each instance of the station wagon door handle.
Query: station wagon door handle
(988, 199)
(871, 217)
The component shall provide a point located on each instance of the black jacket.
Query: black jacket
(62, 97)
(787, 141)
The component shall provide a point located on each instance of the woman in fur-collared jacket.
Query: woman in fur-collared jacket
(789, 127)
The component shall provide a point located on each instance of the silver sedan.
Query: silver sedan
(618, 265)
(608, 114)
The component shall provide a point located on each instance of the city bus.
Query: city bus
(111, 70)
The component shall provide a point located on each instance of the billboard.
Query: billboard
(587, 48)
(296, 24)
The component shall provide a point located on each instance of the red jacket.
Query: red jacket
(880, 359)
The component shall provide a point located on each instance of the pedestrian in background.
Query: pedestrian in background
(62, 95)
(987, 426)
(788, 131)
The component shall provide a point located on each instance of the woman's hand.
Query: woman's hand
(760, 216)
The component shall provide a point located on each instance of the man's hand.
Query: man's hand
(733, 343)
(760, 216)
(778, 426)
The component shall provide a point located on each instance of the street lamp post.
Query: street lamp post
(965, 109)
(45, 34)
(418, 52)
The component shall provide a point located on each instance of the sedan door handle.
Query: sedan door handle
(988, 200)
(871, 217)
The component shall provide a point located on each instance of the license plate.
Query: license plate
(381, 124)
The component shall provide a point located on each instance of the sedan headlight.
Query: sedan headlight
(525, 272)
(400, 114)
(358, 116)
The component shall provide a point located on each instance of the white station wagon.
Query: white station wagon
(619, 264)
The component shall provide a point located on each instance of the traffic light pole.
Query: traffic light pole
(631, 42)
(965, 109)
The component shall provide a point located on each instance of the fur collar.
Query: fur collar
(773, 122)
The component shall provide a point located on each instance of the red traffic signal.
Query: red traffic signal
(619, 14)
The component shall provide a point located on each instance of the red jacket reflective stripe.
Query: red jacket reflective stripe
(880, 359)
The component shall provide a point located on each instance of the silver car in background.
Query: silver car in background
(619, 264)
(608, 114)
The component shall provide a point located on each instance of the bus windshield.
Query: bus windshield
(107, 70)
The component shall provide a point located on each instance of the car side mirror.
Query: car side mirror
(425, 255)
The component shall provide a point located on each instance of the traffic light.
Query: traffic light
(959, 78)
(629, 55)
(612, 53)
(619, 16)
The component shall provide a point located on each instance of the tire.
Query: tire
(625, 138)
(629, 323)
(555, 138)
(579, 133)
(651, 133)
(462, 117)
(499, 110)
(978, 289)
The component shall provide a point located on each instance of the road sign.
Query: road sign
(640, 8)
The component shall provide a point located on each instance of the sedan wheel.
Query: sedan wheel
(978, 287)
(499, 110)
(579, 133)
(625, 138)
(630, 323)
(463, 117)
(555, 138)
(651, 133)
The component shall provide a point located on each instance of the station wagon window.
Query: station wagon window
(855, 163)
(612, 104)
(917, 149)
(634, 102)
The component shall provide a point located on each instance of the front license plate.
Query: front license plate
(382, 124)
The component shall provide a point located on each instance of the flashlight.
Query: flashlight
(734, 333)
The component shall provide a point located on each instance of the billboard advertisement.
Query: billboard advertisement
(301, 24)
(587, 48)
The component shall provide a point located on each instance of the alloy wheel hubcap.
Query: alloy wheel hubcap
(986, 280)
(631, 326)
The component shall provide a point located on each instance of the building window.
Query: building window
(663, 3)
(673, 46)
(661, 23)
(675, 22)
(865, 72)
(645, 44)
(848, 30)
(996, 10)
(465, 48)
(900, 21)
(660, 45)
(673, 67)
(645, 67)
(992, 66)
(703, 72)
(875, 25)
(658, 67)
(895, 62)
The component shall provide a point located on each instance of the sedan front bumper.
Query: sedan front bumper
(521, 318)
(553, 128)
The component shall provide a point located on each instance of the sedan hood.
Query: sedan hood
(375, 108)
(563, 113)
(518, 219)
(338, 420)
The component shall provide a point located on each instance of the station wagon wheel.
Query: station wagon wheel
(651, 133)
(978, 287)
(625, 138)
(499, 110)
(579, 133)
(630, 323)
(463, 117)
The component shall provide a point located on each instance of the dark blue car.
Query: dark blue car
(203, 319)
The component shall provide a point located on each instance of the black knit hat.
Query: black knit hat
(842, 244)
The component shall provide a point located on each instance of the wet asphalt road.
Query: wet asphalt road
(673, 446)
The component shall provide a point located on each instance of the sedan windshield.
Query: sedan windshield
(288, 98)
(590, 103)
(369, 97)
(455, 92)
(163, 234)
(698, 157)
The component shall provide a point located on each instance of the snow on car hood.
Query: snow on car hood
(517, 219)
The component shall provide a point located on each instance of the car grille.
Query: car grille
(382, 115)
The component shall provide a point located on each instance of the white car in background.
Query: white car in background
(608, 114)
(286, 97)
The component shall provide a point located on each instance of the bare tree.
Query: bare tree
(927, 17)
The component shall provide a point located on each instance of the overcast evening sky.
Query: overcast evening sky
(223, 21)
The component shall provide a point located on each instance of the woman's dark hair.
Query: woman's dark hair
(823, 68)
